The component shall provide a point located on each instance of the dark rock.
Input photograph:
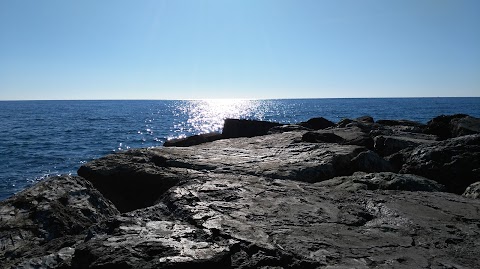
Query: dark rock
(382, 181)
(400, 123)
(453, 126)
(131, 180)
(365, 119)
(38, 226)
(317, 123)
(324, 137)
(193, 140)
(473, 191)
(454, 163)
(287, 128)
(233, 128)
(346, 135)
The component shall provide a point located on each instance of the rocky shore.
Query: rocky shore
(360, 193)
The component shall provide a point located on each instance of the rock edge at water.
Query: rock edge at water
(357, 194)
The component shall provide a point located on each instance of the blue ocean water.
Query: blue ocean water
(42, 138)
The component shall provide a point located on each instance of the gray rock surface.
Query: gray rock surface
(276, 156)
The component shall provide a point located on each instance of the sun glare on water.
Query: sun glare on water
(208, 115)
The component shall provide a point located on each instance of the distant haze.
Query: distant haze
(115, 49)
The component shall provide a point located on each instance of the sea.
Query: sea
(39, 139)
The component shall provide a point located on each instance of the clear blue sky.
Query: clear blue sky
(90, 49)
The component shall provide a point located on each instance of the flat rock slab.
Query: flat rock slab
(136, 178)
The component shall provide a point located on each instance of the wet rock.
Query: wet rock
(193, 140)
(382, 181)
(317, 123)
(473, 191)
(233, 128)
(41, 222)
(454, 163)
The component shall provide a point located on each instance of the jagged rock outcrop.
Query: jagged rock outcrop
(39, 226)
(454, 163)
(277, 197)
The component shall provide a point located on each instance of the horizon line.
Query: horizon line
(239, 99)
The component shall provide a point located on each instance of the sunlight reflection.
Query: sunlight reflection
(204, 116)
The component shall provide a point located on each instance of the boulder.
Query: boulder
(454, 163)
(453, 126)
(381, 181)
(317, 123)
(246, 128)
(39, 226)
(473, 191)
(193, 140)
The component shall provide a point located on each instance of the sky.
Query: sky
(252, 49)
